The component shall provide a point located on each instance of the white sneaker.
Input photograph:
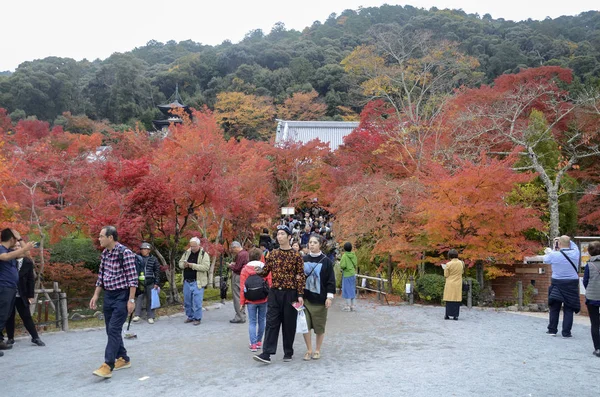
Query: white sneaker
(150, 321)
(136, 319)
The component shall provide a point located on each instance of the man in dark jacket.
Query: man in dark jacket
(148, 281)
(25, 292)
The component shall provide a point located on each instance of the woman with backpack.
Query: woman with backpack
(318, 294)
(254, 291)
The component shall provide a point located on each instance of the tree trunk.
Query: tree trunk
(554, 212)
(551, 191)
(211, 271)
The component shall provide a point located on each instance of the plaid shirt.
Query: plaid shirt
(112, 276)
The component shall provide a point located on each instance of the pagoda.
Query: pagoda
(167, 110)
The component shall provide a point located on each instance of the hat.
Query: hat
(285, 229)
(145, 246)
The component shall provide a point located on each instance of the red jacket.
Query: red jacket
(247, 271)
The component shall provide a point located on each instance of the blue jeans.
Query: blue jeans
(192, 300)
(257, 313)
(115, 315)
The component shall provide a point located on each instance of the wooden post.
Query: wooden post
(39, 311)
(390, 273)
(64, 315)
(470, 294)
(520, 294)
(411, 295)
(56, 296)
(379, 287)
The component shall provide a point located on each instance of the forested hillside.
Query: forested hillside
(269, 68)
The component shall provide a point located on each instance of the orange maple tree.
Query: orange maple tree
(466, 207)
(302, 106)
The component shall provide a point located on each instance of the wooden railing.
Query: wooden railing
(380, 289)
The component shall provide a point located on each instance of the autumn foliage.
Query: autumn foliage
(409, 183)
(467, 208)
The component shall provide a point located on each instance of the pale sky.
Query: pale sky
(78, 29)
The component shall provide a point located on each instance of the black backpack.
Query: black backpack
(256, 288)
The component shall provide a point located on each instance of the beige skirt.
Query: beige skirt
(316, 316)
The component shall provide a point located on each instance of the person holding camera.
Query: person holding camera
(149, 277)
(564, 288)
(24, 298)
(9, 275)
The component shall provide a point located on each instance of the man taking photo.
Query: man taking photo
(564, 288)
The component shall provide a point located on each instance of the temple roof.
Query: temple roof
(330, 132)
(175, 102)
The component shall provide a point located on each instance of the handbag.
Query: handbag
(155, 299)
(465, 286)
(301, 324)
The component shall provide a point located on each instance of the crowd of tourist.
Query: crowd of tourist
(280, 281)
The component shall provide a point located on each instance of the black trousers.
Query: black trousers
(594, 313)
(554, 308)
(7, 302)
(25, 314)
(280, 313)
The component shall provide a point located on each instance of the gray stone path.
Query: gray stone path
(377, 351)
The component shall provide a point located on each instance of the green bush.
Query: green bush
(430, 288)
(76, 250)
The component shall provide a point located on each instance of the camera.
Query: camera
(36, 244)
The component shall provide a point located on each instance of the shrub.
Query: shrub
(76, 280)
(76, 250)
(430, 287)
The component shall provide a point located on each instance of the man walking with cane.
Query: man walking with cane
(118, 277)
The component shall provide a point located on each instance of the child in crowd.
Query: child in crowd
(253, 293)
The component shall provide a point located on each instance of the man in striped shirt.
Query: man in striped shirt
(118, 277)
